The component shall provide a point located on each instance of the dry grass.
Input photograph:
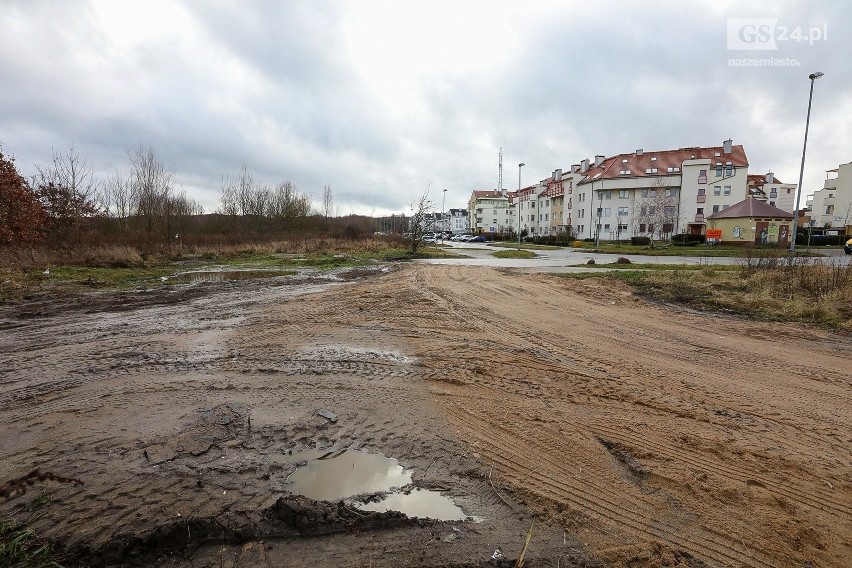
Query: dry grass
(816, 291)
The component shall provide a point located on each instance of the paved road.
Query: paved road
(571, 260)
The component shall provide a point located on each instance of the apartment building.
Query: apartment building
(488, 212)
(831, 206)
(770, 189)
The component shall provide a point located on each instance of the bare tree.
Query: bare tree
(68, 192)
(327, 203)
(420, 211)
(658, 210)
(151, 190)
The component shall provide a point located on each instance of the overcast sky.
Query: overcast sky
(381, 100)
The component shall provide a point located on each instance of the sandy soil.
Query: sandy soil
(635, 434)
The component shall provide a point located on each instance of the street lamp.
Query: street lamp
(443, 221)
(518, 205)
(813, 77)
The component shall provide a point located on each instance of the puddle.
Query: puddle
(334, 475)
(224, 275)
(352, 472)
(419, 503)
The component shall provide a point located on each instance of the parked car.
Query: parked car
(847, 248)
(477, 239)
(466, 238)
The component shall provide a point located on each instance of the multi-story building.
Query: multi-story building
(657, 193)
(770, 189)
(831, 206)
(457, 221)
(488, 212)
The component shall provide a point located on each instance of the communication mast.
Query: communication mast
(500, 177)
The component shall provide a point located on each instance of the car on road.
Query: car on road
(847, 248)
(477, 239)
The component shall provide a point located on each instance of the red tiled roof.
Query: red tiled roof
(638, 164)
(758, 180)
(477, 194)
(751, 208)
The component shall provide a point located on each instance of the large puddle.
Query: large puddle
(335, 475)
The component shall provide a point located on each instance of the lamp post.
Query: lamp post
(813, 77)
(521, 165)
(443, 219)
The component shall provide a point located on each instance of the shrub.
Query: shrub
(820, 240)
(623, 260)
(640, 241)
(688, 240)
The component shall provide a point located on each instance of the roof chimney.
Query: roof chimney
(584, 165)
(598, 159)
(727, 146)
(640, 151)
(769, 177)
(575, 168)
(557, 175)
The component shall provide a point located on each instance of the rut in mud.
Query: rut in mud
(650, 436)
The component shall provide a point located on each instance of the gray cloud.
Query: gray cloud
(283, 88)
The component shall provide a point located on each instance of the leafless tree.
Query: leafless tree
(420, 211)
(327, 203)
(658, 209)
(68, 192)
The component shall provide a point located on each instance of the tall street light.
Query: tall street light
(813, 77)
(518, 205)
(443, 219)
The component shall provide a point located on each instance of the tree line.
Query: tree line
(65, 204)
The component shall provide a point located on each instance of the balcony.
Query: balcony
(700, 199)
(699, 217)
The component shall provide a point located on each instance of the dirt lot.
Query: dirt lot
(635, 434)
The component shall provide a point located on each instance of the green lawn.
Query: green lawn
(514, 254)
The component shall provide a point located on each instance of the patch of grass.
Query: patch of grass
(821, 291)
(667, 249)
(528, 246)
(514, 254)
(20, 546)
(647, 266)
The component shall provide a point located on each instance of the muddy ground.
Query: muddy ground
(634, 434)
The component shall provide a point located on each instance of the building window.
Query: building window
(772, 203)
(622, 211)
(669, 210)
(607, 211)
(652, 210)
(623, 194)
(608, 194)
(717, 190)
(606, 227)
(719, 169)
(651, 228)
(727, 190)
(622, 228)
(532, 204)
(546, 215)
(702, 176)
(729, 169)
(669, 192)
(725, 206)
(701, 192)
(715, 209)
(642, 227)
(645, 192)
